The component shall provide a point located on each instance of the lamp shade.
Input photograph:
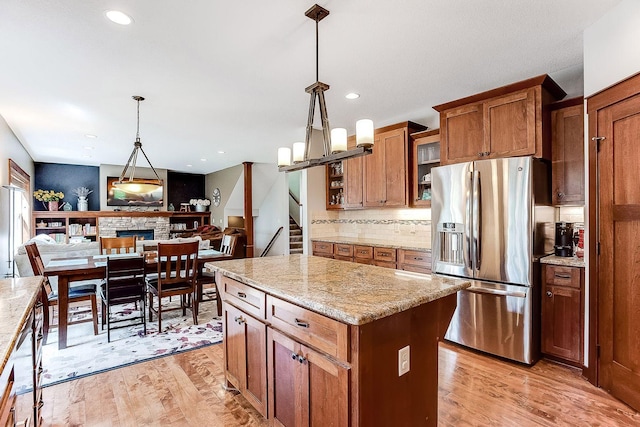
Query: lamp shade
(338, 140)
(364, 133)
(298, 152)
(284, 156)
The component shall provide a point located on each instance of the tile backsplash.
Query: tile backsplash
(411, 227)
(573, 214)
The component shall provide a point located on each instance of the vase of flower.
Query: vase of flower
(83, 204)
(201, 205)
(49, 198)
(53, 205)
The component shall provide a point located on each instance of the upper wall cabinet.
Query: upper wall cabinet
(386, 170)
(567, 167)
(504, 122)
(425, 156)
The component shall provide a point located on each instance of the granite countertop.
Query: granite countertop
(17, 297)
(563, 260)
(349, 292)
(381, 243)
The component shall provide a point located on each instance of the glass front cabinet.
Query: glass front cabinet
(426, 155)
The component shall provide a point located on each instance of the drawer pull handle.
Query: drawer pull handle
(549, 294)
(418, 259)
(242, 295)
(563, 276)
(40, 404)
(39, 304)
(363, 252)
(302, 323)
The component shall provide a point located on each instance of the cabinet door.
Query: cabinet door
(462, 134)
(353, 183)
(385, 170)
(305, 387)
(246, 355)
(561, 322)
(510, 124)
(374, 188)
(568, 155)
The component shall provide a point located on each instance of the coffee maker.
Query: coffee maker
(564, 239)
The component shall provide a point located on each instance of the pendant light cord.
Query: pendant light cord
(317, 73)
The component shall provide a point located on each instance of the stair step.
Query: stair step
(297, 232)
(293, 239)
(295, 251)
(295, 245)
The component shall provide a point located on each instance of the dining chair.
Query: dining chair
(177, 274)
(228, 244)
(118, 245)
(84, 292)
(124, 283)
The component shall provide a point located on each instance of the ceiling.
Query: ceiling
(230, 76)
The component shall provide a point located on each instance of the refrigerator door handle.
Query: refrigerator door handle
(468, 225)
(477, 215)
(477, 290)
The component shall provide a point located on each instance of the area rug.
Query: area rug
(88, 354)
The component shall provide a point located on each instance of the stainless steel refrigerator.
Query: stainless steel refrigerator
(491, 220)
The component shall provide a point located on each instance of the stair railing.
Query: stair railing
(295, 208)
(271, 242)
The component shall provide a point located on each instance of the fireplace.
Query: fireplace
(140, 234)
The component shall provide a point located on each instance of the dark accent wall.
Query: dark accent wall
(66, 178)
(182, 187)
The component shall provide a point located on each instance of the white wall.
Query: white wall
(10, 148)
(611, 47)
(226, 180)
(273, 209)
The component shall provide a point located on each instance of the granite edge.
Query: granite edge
(563, 261)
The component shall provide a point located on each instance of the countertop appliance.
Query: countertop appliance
(564, 239)
(490, 219)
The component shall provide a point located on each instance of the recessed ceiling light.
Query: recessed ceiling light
(86, 156)
(352, 95)
(118, 17)
(88, 135)
(203, 160)
(189, 166)
(220, 152)
(88, 147)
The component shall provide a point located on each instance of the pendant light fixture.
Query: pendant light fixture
(335, 142)
(129, 183)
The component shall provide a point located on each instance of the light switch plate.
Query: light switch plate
(404, 361)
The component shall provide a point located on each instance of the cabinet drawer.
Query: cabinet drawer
(563, 276)
(385, 264)
(316, 330)
(245, 297)
(342, 250)
(417, 261)
(384, 254)
(322, 248)
(363, 252)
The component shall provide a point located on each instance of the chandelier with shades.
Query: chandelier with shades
(129, 183)
(335, 141)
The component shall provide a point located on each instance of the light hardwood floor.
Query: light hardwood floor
(475, 390)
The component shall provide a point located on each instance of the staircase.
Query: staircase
(295, 237)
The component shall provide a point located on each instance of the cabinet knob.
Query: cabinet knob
(549, 294)
(480, 154)
(560, 194)
(302, 359)
(294, 356)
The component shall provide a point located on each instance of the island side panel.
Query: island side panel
(379, 396)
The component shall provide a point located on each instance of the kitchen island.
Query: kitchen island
(315, 341)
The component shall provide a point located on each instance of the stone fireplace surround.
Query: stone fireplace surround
(107, 226)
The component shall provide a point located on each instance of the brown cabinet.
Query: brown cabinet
(245, 348)
(343, 252)
(504, 122)
(563, 312)
(384, 257)
(344, 182)
(324, 249)
(306, 388)
(425, 155)
(567, 167)
(386, 170)
(414, 261)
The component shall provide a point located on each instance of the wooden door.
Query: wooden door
(561, 322)
(510, 125)
(286, 404)
(462, 134)
(567, 136)
(619, 237)
(374, 188)
(353, 171)
(396, 162)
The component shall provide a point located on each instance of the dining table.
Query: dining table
(92, 267)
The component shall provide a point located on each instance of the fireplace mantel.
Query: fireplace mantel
(90, 225)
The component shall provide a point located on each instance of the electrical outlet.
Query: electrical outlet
(403, 361)
(396, 228)
(412, 228)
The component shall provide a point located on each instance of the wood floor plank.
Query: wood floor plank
(474, 390)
